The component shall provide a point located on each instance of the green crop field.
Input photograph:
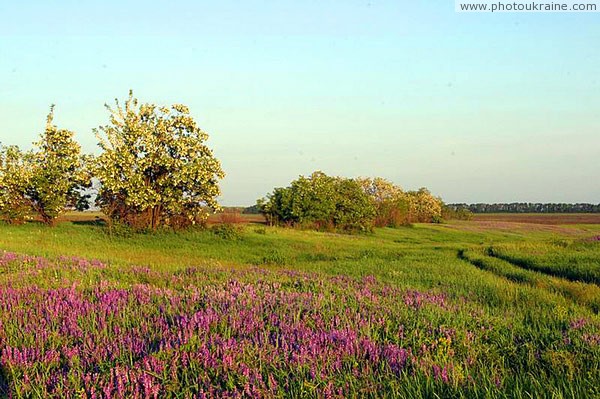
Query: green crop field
(463, 309)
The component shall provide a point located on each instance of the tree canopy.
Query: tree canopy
(59, 172)
(320, 201)
(15, 176)
(326, 202)
(155, 167)
(46, 180)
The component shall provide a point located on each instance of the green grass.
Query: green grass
(578, 292)
(522, 288)
(423, 256)
(575, 260)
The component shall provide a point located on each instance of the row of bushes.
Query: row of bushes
(335, 203)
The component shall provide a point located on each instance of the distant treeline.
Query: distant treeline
(528, 207)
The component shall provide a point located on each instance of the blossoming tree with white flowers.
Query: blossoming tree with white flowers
(155, 168)
(15, 175)
(45, 181)
(59, 174)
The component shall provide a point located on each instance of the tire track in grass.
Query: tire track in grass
(558, 272)
(584, 294)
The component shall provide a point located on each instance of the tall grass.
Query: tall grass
(575, 260)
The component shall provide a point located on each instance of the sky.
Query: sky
(476, 107)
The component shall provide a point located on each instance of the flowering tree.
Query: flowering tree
(155, 167)
(15, 176)
(395, 207)
(423, 206)
(380, 189)
(389, 200)
(46, 180)
(59, 173)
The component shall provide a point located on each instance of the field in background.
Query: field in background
(464, 309)
(540, 218)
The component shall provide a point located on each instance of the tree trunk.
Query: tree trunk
(155, 222)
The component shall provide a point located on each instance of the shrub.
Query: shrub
(456, 213)
(423, 207)
(395, 208)
(323, 202)
(274, 257)
(260, 230)
(320, 202)
(230, 217)
(437, 219)
(391, 207)
(227, 231)
(121, 230)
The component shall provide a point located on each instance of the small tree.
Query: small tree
(354, 211)
(322, 202)
(391, 206)
(277, 207)
(155, 167)
(59, 173)
(314, 199)
(15, 176)
(423, 206)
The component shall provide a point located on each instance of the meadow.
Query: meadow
(477, 309)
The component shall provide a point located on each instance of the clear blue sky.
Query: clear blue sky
(476, 107)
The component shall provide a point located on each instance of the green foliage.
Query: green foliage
(322, 202)
(353, 209)
(423, 207)
(46, 180)
(395, 208)
(391, 206)
(528, 207)
(274, 258)
(334, 203)
(227, 231)
(251, 210)
(59, 173)
(15, 175)
(456, 213)
(260, 230)
(155, 167)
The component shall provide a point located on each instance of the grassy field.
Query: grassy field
(464, 309)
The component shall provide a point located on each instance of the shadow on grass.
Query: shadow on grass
(515, 277)
(4, 387)
(97, 222)
(576, 275)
